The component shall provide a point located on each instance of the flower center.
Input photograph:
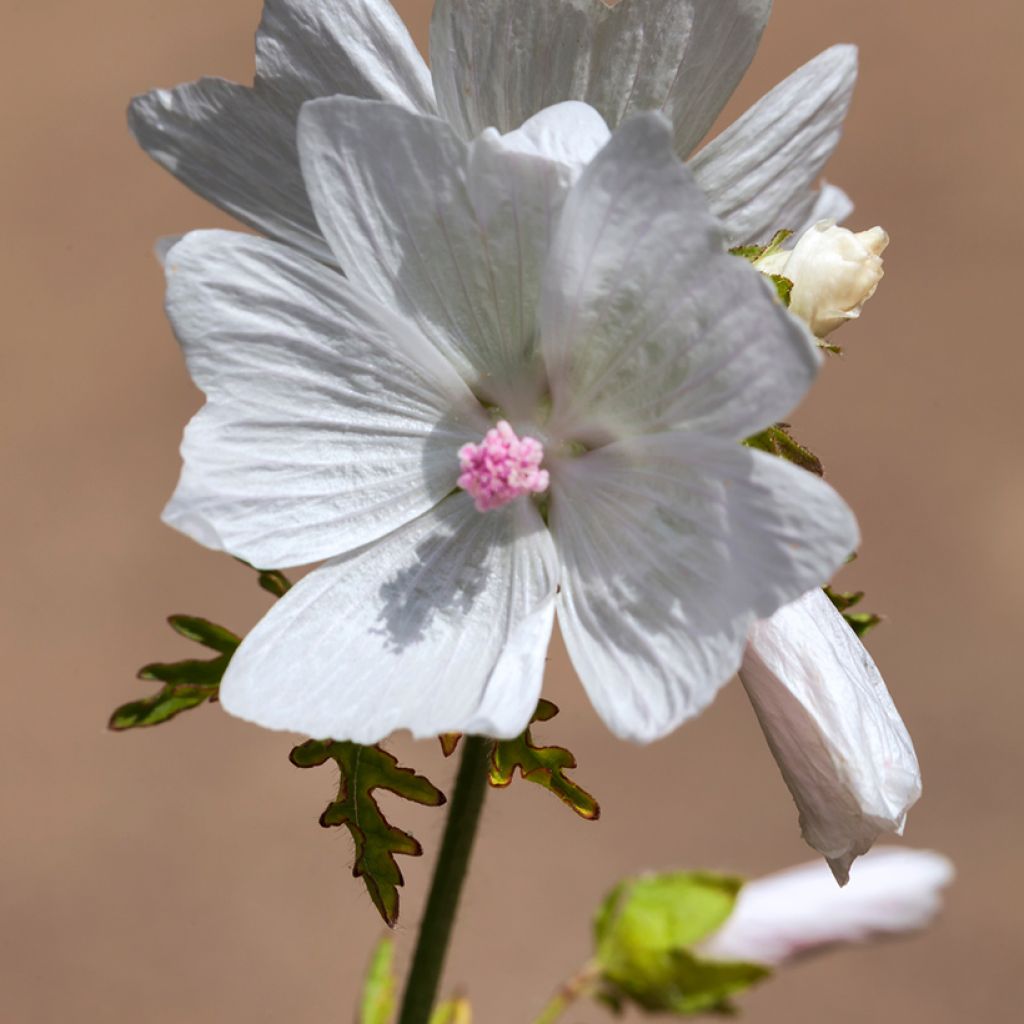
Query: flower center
(502, 467)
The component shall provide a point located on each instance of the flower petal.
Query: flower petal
(498, 62)
(759, 173)
(453, 234)
(838, 739)
(798, 912)
(442, 626)
(671, 546)
(329, 420)
(235, 146)
(647, 322)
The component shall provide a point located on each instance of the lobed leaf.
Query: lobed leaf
(187, 684)
(545, 766)
(363, 770)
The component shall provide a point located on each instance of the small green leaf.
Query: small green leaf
(363, 770)
(186, 684)
(546, 766)
(860, 622)
(449, 741)
(753, 253)
(274, 582)
(780, 442)
(646, 932)
(378, 1002)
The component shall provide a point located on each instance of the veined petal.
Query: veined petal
(838, 739)
(571, 134)
(799, 912)
(647, 322)
(452, 234)
(329, 420)
(442, 626)
(671, 546)
(760, 172)
(235, 146)
(498, 62)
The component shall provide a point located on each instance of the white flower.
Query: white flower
(839, 741)
(834, 273)
(496, 63)
(798, 912)
(604, 321)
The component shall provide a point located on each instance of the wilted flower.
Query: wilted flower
(615, 333)
(798, 912)
(838, 739)
(834, 273)
(496, 63)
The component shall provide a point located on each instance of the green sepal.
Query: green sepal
(784, 288)
(545, 766)
(187, 684)
(753, 253)
(363, 770)
(377, 1005)
(780, 442)
(646, 933)
(860, 622)
(274, 582)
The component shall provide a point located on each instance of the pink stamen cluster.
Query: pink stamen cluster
(502, 467)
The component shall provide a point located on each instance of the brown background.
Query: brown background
(179, 875)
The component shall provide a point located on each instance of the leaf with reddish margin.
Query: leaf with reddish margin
(363, 770)
(545, 766)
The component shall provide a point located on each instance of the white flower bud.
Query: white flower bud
(834, 272)
(792, 914)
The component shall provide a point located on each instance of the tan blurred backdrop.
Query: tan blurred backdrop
(179, 874)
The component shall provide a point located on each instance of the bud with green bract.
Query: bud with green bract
(646, 933)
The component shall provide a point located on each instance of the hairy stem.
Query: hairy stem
(575, 988)
(446, 887)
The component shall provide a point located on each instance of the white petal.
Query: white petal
(759, 173)
(838, 739)
(235, 146)
(498, 62)
(442, 626)
(647, 322)
(671, 545)
(798, 912)
(571, 134)
(453, 234)
(329, 420)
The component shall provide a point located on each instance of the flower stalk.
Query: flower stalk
(446, 886)
(578, 986)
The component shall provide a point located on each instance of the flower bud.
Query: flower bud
(798, 912)
(834, 272)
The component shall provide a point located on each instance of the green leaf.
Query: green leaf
(778, 441)
(860, 622)
(545, 766)
(646, 931)
(362, 771)
(187, 684)
(274, 582)
(378, 1002)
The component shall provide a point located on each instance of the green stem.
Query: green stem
(446, 887)
(575, 988)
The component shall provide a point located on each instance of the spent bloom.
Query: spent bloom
(551, 318)
(834, 273)
(497, 63)
(831, 724)
(799, 912)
